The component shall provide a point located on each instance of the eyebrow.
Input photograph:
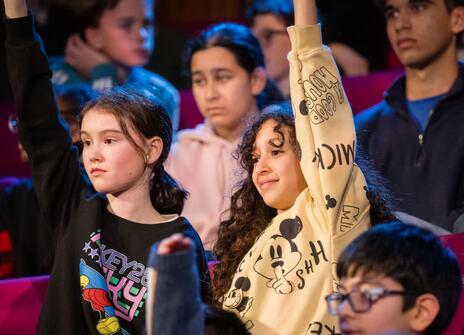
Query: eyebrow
(217, 69)
(104, 132)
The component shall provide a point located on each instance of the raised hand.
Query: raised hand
(174, 243)
(82, 56)
(305, 12)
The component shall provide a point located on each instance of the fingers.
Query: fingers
(174, 243)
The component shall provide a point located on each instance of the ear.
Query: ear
(93, 37)
(424, 312)
(258, 80)
(155, 148)
(457, 19)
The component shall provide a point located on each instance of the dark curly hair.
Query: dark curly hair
(249, 215)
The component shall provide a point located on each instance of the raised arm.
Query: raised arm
(305, 12)
(15, 8)
(55, 165)
(324, 128)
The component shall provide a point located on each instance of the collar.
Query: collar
(395, 96)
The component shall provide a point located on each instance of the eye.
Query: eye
(86, 143)
(276, 152)
(255, 159)
(109, 140)
(418, 6)
(126, 25)
(223, 77)
(198, 81)
(391, 14)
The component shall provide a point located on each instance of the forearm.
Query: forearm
(305, 12)
(15, 8)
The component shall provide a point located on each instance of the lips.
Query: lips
(405, 43)
(96, 171)
(266, 183)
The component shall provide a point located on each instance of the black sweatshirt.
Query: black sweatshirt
(98, 282)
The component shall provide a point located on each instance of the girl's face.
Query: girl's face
(125, 32)
(276, 172)
(111, 161)
(224, 92)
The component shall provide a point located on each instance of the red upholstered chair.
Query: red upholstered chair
(20, 304)
(365, 91)
(190, 116)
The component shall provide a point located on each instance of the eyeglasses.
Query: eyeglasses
(265, 36)
(12, 123)
(360, 301)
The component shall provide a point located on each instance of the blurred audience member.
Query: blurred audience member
(414, 137)
(32, 238)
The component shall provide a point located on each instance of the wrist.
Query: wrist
(15, 8)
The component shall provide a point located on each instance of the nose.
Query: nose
(211, 91)
(93, 153)
(344, 309)
(402, 21)
(262, 165)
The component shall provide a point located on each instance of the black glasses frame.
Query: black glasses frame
(372, 295)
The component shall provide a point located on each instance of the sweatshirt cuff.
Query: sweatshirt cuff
(177, 262)
(19, 31)
(305, 39)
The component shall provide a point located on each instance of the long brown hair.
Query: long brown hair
(250, 216)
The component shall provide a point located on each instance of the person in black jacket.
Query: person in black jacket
(414, 137)
(99, 277)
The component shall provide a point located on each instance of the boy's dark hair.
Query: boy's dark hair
(281, 8)
(450, 4)
(412, 256)
(240, 41)
(142, 111)
(75, 96)
(221, 322)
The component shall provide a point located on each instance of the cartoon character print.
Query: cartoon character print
(95, 290)
(280, 256)
(237, 300)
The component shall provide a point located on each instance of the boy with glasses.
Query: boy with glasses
(396, 279)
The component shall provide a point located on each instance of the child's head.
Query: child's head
(127, 136)
(271, 157)
(226, 67)
(120, 29)
(71, 99)
(269, 19)
(399, 278)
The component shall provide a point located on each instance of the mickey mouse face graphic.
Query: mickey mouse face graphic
(280, 256)
(236, 298)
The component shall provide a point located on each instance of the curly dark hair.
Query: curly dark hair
(249, 215)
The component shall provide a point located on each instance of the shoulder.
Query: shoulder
(371, 115)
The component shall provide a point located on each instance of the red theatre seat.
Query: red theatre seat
(365, 91)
